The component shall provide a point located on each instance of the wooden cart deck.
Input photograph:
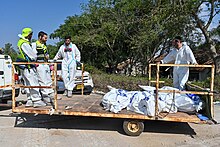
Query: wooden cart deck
(89, 105)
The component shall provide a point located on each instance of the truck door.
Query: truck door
(2, 81)
(7, 70)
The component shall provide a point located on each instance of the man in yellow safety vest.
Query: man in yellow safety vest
(29, 74)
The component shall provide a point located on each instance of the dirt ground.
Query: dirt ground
(46, 130)
(56, 131)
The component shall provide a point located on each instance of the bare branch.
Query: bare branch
(211, 15)
(217, 12)
(200, 25)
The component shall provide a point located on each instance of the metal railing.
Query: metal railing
(157, 81)
(54, 81)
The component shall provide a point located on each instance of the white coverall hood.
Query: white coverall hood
(22, 37)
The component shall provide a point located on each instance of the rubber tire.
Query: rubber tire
(17, 92)
(127, 130)
(23, 91)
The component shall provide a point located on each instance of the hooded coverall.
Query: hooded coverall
(43, 70)
(29, 73)
(184, 55)
(70, 55)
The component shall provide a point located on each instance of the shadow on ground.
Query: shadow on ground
(95, 123)
(4, 107)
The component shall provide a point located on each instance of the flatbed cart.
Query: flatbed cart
(89, 105)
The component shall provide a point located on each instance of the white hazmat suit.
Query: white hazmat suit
(44, 74)
(29, 74)
(70, 55)
(184, 55)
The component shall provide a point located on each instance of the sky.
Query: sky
(40, 15)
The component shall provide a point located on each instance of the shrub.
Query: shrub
(118, 81)
(101, 80)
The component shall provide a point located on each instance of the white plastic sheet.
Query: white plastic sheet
(143, 102)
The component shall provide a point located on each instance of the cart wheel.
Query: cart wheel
(133, 127)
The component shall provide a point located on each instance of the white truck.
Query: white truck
(6, 79)
(87, 81)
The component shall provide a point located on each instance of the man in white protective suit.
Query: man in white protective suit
(181, 54)
(28, 72)
(71, 58)
(43, 70)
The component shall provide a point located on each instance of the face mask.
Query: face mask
(67, 49)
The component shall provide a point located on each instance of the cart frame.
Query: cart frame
(90, 105)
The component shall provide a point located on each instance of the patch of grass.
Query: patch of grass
(118, 81)
(206, 84)
(101, 80)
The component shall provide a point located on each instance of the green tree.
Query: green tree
(52, 50)
(9, 50)
(111, 31)
(202, 13)
(97, 33)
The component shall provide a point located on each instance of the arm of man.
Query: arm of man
(190, 56)
(34, 47)
(32, 54)
(77, 53)
(170, 58)
(59, 54)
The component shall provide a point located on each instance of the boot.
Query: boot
(39, 103)
(29, 103)
(69, 93)
(65, 93)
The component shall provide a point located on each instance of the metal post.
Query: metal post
(82, 79)
(149, 75)
(55, 86)
(157, 87)
(13, 88)
(211, 89)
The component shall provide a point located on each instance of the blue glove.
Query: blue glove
(78, 63)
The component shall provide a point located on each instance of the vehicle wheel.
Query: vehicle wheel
(23, 91)
(87, 93)
(133, 127)
(17, 91)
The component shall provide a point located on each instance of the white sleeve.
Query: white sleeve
(77, 53)
(34, 47)
(170, 58)
(190, 56)
(59, 54)
(26, 48)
